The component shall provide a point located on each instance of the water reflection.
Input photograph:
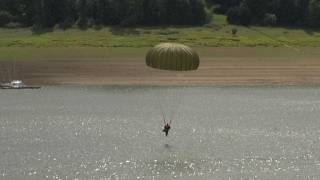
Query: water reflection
(116, 133)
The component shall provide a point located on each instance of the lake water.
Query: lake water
(116, 133)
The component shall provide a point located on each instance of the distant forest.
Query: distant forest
(88, 13)
(270, 12)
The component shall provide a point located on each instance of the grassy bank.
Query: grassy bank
(216, 34)
(130, 53)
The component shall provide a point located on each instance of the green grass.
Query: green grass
(130, 53)
(215, 34)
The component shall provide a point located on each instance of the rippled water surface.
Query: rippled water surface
(115, 133)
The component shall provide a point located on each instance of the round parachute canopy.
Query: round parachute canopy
(172, 56)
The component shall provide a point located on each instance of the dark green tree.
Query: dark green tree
(314, 13)
(83, 18)
(44, 16)
(151, 14)
(199, 15)
(291, 12)
(240, 15)
(5, 17)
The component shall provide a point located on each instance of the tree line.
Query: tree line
(86, 13)
(270, 12)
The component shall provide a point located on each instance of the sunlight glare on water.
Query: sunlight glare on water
(116, 133)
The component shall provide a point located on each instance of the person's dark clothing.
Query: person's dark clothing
(166, 129)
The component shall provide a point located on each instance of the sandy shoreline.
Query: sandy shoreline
(231, 68)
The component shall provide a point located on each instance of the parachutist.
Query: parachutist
(166, 128)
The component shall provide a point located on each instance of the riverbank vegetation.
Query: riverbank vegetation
(218, 33)
(42, 14)
(293, 13)
(145, 23)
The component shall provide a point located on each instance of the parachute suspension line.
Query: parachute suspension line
(177, 105)
(163, 116)
(176, 97)
(161, 109)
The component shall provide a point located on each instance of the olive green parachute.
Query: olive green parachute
(172, 56)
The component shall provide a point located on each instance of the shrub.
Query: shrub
(82, 23)
(36, 28)
(67, 23)
(168, 32)
(129, 21)
(239, 15)
(234, 31)
(98, 26)
(269, 19)
(13, 25)
(5, 18)
(209, 15)
(233, 15)
(91, 22)
(40, 29)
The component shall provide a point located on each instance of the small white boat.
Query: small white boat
(17, 84)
